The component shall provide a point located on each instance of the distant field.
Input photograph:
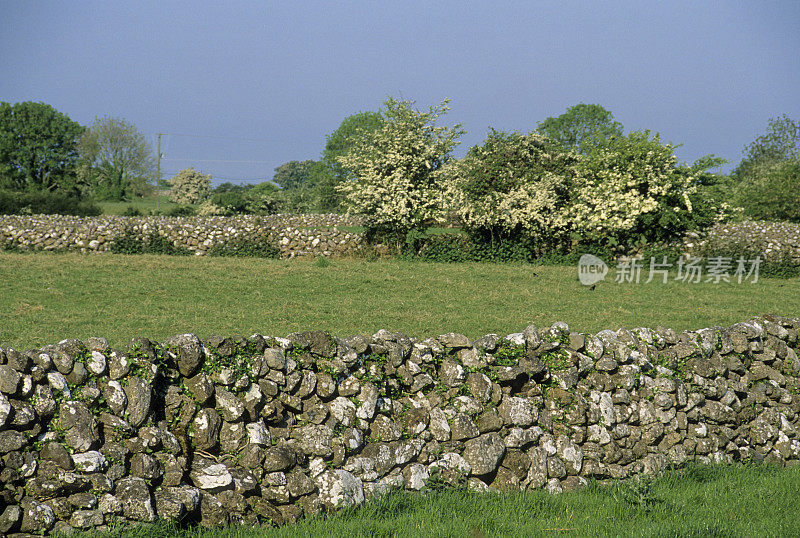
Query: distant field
(144, 205)
(47, 297)
(702, 502)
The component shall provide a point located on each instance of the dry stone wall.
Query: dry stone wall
(294, 235)
(774, 239)
(249, 430)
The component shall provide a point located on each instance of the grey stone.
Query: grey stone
(189, 352)
(135, 498)
(518, 412)
(79, 426)
(139, 396)
(201, 387)
(10, 380)
(206, 426)
(229, 406)
(212, 478)
(484, 453)
(36, 517)
(339, 489)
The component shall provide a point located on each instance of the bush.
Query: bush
(131, 211)
(772, 193)
(631, 192)
(189, 187)
(46, 203)
(515, 188)
(457, 248)
(181, 211)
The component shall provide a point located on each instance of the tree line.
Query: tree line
(577, 173)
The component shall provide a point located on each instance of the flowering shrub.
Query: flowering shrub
(398, 168)
(631, 191)
(189, 187)
(515, 186)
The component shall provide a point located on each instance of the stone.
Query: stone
(146, 466)
(416, 476)
(36, 517)
(134, 495)
(463, 428)
(343, 410)
(451, 373)
(139, 396)
(89, 462)
(339, 489)
(212, 513)
(10, 380)
(278, 458)
(212, 478)
(518, 412)
(189, 352)
(315, 439)
(570, 453)
(201, 388)
(453, 340)
(484, 453)
(228, 405)
(298, 483)
(79, 426)
(85, 519)
(11, 515)
(206, 426)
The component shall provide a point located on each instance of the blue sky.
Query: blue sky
(265, 82)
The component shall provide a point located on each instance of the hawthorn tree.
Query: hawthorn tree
(398, 182)
(515, 186)
(189, 187)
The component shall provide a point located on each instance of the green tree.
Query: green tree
(581, 127)
(189, 187)
(339, 143)
(116, 160)
(398, 183)
(780, 143)
(37, 148)
(345, 138)
(774, 193)
(765, 183)
(297, 174)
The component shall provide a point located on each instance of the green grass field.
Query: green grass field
(702, 502)
(47, 297)
(145, 205)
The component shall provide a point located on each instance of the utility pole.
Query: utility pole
(158, 180)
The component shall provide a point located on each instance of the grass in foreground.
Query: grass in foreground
(47, 297)
(699, 501)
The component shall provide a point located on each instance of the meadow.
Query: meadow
(50, 296)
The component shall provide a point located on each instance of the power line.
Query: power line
(216, 160)
(218, 137)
